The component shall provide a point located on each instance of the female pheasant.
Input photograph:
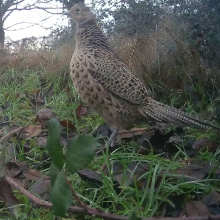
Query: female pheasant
(107, 85)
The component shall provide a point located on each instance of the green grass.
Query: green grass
(160, 184)
(17, 89)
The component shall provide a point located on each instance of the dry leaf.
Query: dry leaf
(205, 142)
(212, 199)
(196, 208)
(7, 194)
(129, 134)
(35, 92)
(41, 141)
(90, 175)
(80, 111)
(34, 175)
(42, 188)
(32, 130)
(67, 124)
(191, 172)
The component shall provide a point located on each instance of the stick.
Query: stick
(94, 212)
(10, 134)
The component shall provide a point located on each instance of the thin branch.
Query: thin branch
(32, 24)
(27, 193)
(6, 8)
(10, 3)
(37, 8)
(93, 212)
(74, 209)
(6, 16)
(18, 29)
(10, 134)
(75, 195)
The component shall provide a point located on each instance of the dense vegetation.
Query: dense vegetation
(177, 42)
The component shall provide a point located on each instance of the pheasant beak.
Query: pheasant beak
(66, 13)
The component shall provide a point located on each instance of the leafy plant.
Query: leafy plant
(79, 154)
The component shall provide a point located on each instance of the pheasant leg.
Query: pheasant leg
(112, 138)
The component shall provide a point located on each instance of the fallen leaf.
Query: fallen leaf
(15, 127)
(212, 199)
(173, 144)
(144, 145)
(67, 89)
(15, 173)
(129, 134)
(21, 182)
(124, 179)
(42, 188)
(89, 175)
(116, 168)
(214, 209)
(41, 141)
(34, 175)
(67, 124)
(146, 137)
(26, 146)
(32, 130)
(15, 169)
(133, 171)
(205, 142)
(191, 172)
(8, 196)
(175, 140)
(211, 168)
(13, 164)
(80, 111)
(196, 208)
(190, 151)
(35, 92)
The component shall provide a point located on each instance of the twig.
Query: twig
(10, 134)
(74, 209)
(96, 213)
(27, 193)
(75, 195)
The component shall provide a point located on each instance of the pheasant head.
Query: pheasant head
(82, 15)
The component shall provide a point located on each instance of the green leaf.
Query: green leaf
(134, 216)
(23, 216)
(80, 152)
(53, 172)
(61, 196)
(53, 143)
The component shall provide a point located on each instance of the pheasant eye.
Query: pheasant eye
(77, 10)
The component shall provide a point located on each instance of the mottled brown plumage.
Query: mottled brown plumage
(106, 84)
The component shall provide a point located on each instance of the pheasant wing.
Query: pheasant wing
(115, 76)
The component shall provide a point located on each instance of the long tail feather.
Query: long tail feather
(165, 113)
